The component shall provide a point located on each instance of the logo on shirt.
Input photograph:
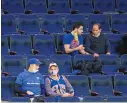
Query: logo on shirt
(74, 44)
(37, 78)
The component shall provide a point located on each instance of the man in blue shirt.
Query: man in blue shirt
(73, 42)
(31, 82)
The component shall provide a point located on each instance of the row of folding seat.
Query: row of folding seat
(46, 44)
(59, 24)
(63, 6)
(13, 65)
(83, 86)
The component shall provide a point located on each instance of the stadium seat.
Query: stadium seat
(93, 99)
(44, 60)
(105, 6)
(64, 63)
(51, 99)
(13, 65)
(124, 60)
(84, 6)
(69, 99)
(109, 59)
(44, 44)
(7, 90)
(21, 44)
(29, 23)
(80, 84)
(59, 6)
(102, 19)
(8, 24)
(19, 99)
(4, 45)
(115, 42)
(36, 6)
(70, 20)
(102, 85)
(116, 99)
(121, 6)
(119, 23)
(13, 6)
(120, 84)
(52, 24)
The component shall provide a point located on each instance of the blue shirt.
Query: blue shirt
(69, 39)
(30, 81)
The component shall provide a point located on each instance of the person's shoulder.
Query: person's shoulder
(68, 35)
(23, 74)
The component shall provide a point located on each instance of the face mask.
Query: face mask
(34, 70)
(54, 72)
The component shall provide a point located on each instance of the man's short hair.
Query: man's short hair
(99, 25)
(77, 25)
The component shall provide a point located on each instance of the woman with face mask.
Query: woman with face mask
(57, 85)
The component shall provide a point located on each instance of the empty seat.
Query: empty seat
(13, 64)
(44, 44)
(29, 23)
(80, 85)
(43, 68)
(13, 6)
(64, 63)
(116, 99)
(21, 44)
(102, 85)
(7, 90)
(4, 45)
(84, 6)
(120, 84)
(93, 99)
(105, 6)
(70, 20)
(19, 99)
(36, 6)
(119, 23)
(69, 99)
(102, 19)
(52, 23)
(121, 5)
(60, 6)
(8, 24)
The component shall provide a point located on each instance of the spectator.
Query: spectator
(57, 85)
(97, 43)
(31, 82)
(73, 42)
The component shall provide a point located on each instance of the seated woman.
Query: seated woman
(57, 85)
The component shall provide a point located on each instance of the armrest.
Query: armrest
(5, 11)
(51, 12)
(117, 93)
(60, 52)
(21, 31)
(28, 11)
(97, 12)
(12, 53)
(35, 52)
(74, 12)
(67, 31)
(115, 31)
(94, 94)
(5, 73)
(45, 31)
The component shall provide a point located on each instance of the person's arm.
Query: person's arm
(108, 46)
(69, 87)
(43, 91)
(18, 89)
(82, 51)
(49, 89)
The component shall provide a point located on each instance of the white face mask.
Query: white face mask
(54, 72)
(35, 70)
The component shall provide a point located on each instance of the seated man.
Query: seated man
(73, 42)
(97, 43)
(31, 82)
(57, 85)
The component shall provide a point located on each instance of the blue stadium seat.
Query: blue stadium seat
(115, 42)
(121, 5)
(119, 23)
(45, 44)
(69, 99)
(21, 44)
(102, 85)
(13, 64)
(7, 88)
(84, 6)
(52, 23)
(80, 84)
(124, 60)
(29, 23)
(116, 99)
(51, 99)
(64, 63)
(109, 59)
(60, 6)
(102, 19)
(13, 6)
(105, 6)
(70, 20)
(4, 45)
(36, 6)
(44, 60)
(60, 46)
(120, 84)
(93, 99)
(19, 99)
(8, 24)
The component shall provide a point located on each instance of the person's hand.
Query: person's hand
(96, 55)
(66, 95)
(29, 93)
(108, 53)
(87, 53)
(80, 47)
